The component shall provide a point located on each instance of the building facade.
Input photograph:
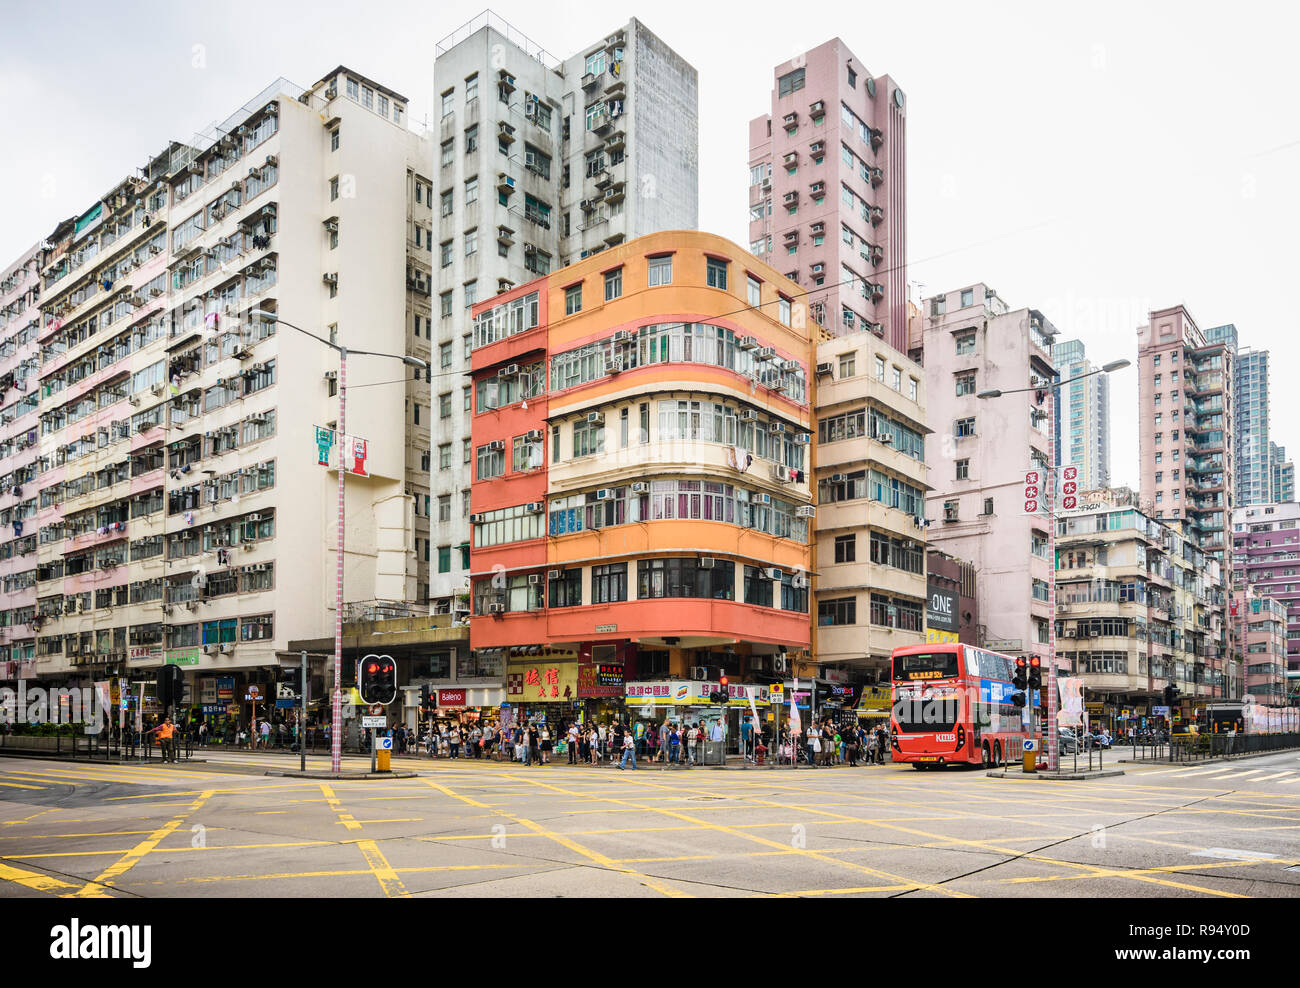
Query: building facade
(970, 341)
(642, 521)
(827, 190)
(1283, 474)
(1138, 609)
(1266, 559)
(163, 493)
(870, 589)
(1186, 426)
(1082, 415)
(1262, 626)
(955, 609)
(541, 162)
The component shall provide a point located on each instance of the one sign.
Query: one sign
(941, 609)
(1030, 744)
(369, 721)
(383, 744)
(451, 698)
(253, 692)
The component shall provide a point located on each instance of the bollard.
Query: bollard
(382, 760)
(1030, 761)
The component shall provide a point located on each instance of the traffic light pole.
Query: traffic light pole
(302, 716)
(336, 711)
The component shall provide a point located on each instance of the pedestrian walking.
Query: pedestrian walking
(629, 751)
(546, 745)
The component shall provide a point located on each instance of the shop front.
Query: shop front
(542, 688)
(463, 705)
(687, 703)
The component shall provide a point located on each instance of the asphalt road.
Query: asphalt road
(466, 828)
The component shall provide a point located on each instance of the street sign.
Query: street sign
(1031, 744)
(374, 722)
(376, 709)
(1032, 477)
(383, 744)
(1069, 473)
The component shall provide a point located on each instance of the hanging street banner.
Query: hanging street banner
(324, 443)
(353, 450)
(1069, 488)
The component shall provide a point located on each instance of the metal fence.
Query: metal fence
(1204, 747)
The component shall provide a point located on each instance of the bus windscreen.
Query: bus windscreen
(925, 665)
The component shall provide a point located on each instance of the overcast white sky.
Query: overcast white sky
(1091, 163)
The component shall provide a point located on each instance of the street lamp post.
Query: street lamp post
(336, 711)
(1053, 755)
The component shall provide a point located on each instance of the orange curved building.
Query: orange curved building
(643, 451)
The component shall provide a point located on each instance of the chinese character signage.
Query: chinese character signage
(542, 682)
(600, 679)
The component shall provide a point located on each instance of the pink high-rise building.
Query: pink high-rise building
(827, 190)
(1185, 426)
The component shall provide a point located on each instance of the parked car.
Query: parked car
(1067, 741)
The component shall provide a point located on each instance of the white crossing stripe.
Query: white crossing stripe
(1236, 775)
(1265, 778)
(1233, 854)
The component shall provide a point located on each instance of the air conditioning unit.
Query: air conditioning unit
(780, 473)
(535, 507)
(766, 353)
(775, 426)
(640, 487)
(771, 573)
(805, 511)
(227, 648)
(839, 478)
(497, 444)
(748, 415)
(534, 436)
(534, 579)
(613, 365)
(746, 342)
(605, 494)
(705, 562)
(331, 375)
(209, 649)
(510, 370)
(699, 673)
(595, 418)
(825, 368)
(622, 336)
(780, 664)
(157, 389)
(760, 498)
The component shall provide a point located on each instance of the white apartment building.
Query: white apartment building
(539, 162)
(162, 494)
(1082, 416)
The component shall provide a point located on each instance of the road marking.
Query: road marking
(1266, 778)
(1235, 775)
(344, 818)
(382, 870)
(31, 879)
(563, 841)
(1232, 854)
(20, 785)
(95, 889)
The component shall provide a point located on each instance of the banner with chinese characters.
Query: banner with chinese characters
(542, 681)
(599, 679)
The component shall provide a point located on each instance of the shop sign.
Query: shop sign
(214, 708)
(1094, 708)
(1160, 712)
(606, 629)
(183, 656)
(1005, 645)
(225, 687)
(691, 693)
(941, 609)
(542, 681)
(600, 679)
(451, 698)
(253, 693)
(934, 636)
(207, 690)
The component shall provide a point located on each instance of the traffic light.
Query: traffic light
(378, 679)
(1020, 681)
(1171, 695)
(291, 681)
(169, 687)
(426, 698)
(1035, 672)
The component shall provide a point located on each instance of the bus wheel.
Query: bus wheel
(997, 752)
(986, 756)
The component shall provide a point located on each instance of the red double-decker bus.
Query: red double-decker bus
(952, 703)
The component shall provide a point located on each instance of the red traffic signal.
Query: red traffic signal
(372, 668)
(1020, 662)
(1020, 680)
(1035, 662)
(379, 680)
(723, 683)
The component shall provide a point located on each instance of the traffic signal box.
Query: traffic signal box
(378, 679)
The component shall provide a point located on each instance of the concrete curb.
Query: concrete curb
(1057, 776)
(1225, 760)
(50, 756)
(343, 776)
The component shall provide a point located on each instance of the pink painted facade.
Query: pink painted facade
(1262, 621)
(827, 192)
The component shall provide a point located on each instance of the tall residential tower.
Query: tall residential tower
(1082, 416)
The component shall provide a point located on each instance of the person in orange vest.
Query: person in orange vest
(166, 732)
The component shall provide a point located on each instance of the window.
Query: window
(967, 297)
(716, 273)
(445, 203)
(334, 139)
(565, 590)
(880, 368)
(783, 310)
(491, 462)
(444, 456)
(334, 188)
(448, 102)
(964, 427)
(613, 284)
(526, 454)
(790, 82)
(841, 610)
(609, 583)
(448, 153)
(966, 383)
(444, 507)
(444, 253)
(444, 405)
(471, 190)
(661, 271)
(572, 300)
(444, 355)
(444, 304)
(853, 79)
(848, 365)
(588, 438)
(963, 469)
(846, 548)
(684, 577)
(471, 242)
(754, 290)
(471, 88)
(965, 343)
(758, 587)
(471, 139)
